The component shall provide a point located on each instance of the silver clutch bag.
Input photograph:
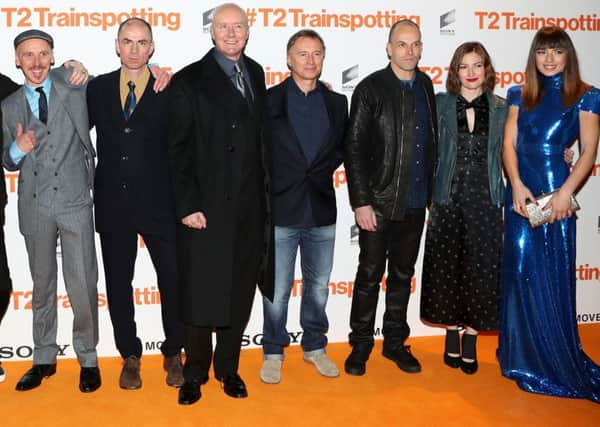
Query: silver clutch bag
(537, 216)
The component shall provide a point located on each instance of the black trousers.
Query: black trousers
(119, 251)
(5, 282)
(396, 242)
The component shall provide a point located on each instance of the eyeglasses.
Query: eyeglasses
(225, 28)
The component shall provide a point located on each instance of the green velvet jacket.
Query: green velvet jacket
(446, 148)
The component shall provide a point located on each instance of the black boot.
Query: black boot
(362, 324)
(469, 351)
(356, 362)
(452, 345)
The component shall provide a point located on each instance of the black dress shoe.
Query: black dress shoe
(355, 365)
(403, 358)
(452, 361)
(469, 368)
(469, 351)
(189, 392)
(204, 380)
(89, 379)
(33, 377)
(356, 362)
(234, 386)
(452, 345)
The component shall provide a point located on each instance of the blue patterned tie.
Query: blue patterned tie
(130, 101)
(42, 105)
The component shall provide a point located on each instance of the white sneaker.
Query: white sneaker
(270, 372)
(325, 366)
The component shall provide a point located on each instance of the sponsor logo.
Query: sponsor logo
(207, 18)
(256, 339)
(153, 345)
(350, 75)
(446, 20)
(354, 232)
(48, 17)
(588, 317)
(502, 21)
(26, 351)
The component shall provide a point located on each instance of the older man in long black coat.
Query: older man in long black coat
(219, 157)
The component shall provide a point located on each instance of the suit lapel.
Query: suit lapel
(255, 77)
(143, 101)
(61, 94)
(114, 95)
(329, 140)
(287, 124)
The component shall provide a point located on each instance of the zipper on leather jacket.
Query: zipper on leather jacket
(401, 156)
(433, 135)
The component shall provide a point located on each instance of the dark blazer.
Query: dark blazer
(294, 179)
(7, 86)
(133, 180)
(210, 124)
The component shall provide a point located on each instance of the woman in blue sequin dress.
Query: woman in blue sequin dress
(539, 342)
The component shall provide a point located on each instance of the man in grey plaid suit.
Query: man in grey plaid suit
(46, 137)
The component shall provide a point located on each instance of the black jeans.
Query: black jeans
(396, 242)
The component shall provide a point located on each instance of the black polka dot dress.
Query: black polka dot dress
(461, 266)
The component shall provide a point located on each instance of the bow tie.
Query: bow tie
(477, 103)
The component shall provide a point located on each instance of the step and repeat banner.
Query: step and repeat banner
(355, 33)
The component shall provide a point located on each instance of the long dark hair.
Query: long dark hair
(453, 81)
(573, 86)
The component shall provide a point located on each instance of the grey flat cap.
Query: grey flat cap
(33, 34)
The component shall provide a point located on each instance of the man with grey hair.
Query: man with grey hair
(219, 157)
(307, 122)
(390, 157)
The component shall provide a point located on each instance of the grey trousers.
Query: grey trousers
(75, 228)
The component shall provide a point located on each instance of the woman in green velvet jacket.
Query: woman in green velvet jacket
(461, 268)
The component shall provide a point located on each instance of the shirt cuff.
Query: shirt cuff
(16, 155)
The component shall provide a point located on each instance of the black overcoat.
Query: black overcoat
(209, 122)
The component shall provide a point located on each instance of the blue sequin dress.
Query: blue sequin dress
(539, 342)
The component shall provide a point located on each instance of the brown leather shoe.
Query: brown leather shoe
(174, 368)
(130, 378)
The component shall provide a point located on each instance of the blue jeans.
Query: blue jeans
(316, 255)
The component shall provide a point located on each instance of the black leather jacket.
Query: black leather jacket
(379, 144)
